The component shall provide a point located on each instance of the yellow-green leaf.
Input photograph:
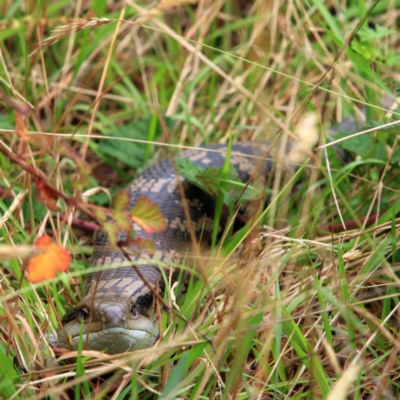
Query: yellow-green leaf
(121, 201)
(148, 216)
(123, 221)
(112, 233)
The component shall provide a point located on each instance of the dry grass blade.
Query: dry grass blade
(342, 386)
(60, 32)
(15, 204)
(288, 310)
(63, 31)
(354, 135)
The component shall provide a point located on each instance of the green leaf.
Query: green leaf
(243, 348)
(112, 233)
(189, 170)
(5, 123)
(148, 216)
(123, 221)
(367, 34)
(170, 389)
(121, 201)
(211, 179)
(222, 189)
(129, 152)
(363, 145)
(305, 352)
(360, 145)
(396, 156)
(394, 210)
(362, 49)
(121, 216)
(252, 192)
(100, 214)
(8, 375)
(80, 369)
(378, 125)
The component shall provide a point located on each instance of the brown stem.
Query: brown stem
(82, 224)
(336, 228)
(38, 176)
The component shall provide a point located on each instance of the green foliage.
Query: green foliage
(9, 376)
(211, 180)
(364, 146)
(133, 153)
(293, 305)
(370, 45)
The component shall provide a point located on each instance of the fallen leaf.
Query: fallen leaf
(20, 127)
(50, 259)
(148, 216)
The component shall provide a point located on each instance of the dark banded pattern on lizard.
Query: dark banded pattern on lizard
(117, 311)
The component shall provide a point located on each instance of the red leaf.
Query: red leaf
(46, 195)
(148, 216)
(20, 127)
(51, 258)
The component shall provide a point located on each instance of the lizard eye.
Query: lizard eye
(75, 315)
(83, 313)
(134, 311)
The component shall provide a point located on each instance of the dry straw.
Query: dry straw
(63, 31)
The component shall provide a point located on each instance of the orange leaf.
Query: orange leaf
(51, 258)
(148, 216)
(46, 195)
(20, 127)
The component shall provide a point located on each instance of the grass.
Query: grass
(307, 309)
